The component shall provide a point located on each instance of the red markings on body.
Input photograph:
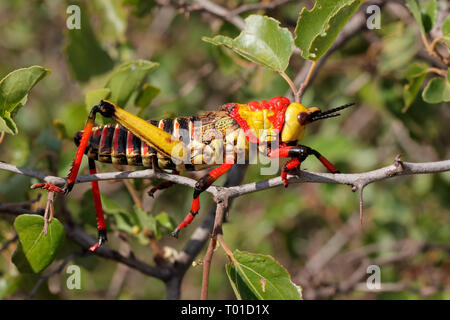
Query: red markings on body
(116, 140)
(130, 147)
(277, 104)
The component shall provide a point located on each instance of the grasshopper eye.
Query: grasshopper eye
(303, 118)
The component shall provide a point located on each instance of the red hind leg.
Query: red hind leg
(201, 186)
(163, 185)
(101, 225)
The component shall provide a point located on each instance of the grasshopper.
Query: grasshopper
(216, 138)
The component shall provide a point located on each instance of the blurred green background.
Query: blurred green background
(290, 224)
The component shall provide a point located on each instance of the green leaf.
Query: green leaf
(14, 89)
(446, 31)
(146, 95)
(128, 79)
(318, 28)
(112, 20)
(437, 90)
(429, 14)
(165, 221)
(262, 41)
(416, 11)
(415, 74)
(39, 249)
(257, 276)
(93, 97)
(85, 55)
(146, 222)
(446, 27)
(20, 261)
(425, 13)
(125, 221)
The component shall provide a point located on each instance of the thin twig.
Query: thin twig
(298, 95)
(206, 267)
(222, 206)
(438, 71)
(292, 85)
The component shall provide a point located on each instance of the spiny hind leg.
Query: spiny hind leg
(101, 225)
(162, 185)
(201, 186)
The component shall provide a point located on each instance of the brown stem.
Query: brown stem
(438, 71)
(226, 249)
(222, 205)
(133, 193)
(299, 94)
(291, 84)
(207, 267)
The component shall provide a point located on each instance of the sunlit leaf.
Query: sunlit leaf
(14, 89)
(437, 90)
(262, 41)
(318, 28)
(39, 249)
(257, 276)
(127, 79)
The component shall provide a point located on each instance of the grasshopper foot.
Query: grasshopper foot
(101, 239)
(49, 187)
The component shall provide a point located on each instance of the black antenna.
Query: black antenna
(329, 113)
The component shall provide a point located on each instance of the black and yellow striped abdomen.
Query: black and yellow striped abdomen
(113, 143)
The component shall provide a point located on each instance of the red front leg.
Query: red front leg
(71, 179)
(299, 153)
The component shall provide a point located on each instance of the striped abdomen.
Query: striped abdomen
(113, 143)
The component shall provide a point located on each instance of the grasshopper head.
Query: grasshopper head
(297, 116)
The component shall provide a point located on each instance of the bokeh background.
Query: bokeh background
(312, 229)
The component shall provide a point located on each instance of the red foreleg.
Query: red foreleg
(299, 153)
(71, 178)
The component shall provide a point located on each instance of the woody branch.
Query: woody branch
(359, 180)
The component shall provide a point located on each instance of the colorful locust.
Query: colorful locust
(217, 138)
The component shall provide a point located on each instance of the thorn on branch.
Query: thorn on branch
(397, 162)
